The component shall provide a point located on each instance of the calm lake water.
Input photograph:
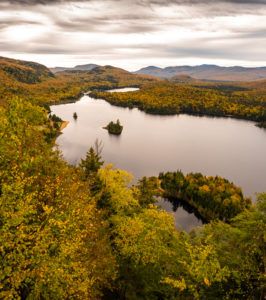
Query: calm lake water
(149, 144)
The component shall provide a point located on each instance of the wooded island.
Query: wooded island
(114, 128)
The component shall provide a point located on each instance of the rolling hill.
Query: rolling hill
(87, 67)
(207, 72)
(23, 71)
(36, 83)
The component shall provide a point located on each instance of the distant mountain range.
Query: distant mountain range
(188, 73)
(207, 72)
(87, 67)
(16, 73)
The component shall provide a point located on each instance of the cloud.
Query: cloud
(8, 23)
(108, 25)
(209, 2)
(36, 2)
(140, 2)
(116, 30)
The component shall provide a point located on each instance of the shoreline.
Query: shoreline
(154, 112)
(174, 113)
(63, 125)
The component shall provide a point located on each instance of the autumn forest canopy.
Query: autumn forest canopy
(87, 232)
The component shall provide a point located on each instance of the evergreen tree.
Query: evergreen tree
(93, 161)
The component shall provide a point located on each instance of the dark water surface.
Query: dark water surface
(149, 144)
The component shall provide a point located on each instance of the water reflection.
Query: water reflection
(185, 217)
(150, 144)
(123, 90)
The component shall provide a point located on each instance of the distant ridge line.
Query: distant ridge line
(207, 72)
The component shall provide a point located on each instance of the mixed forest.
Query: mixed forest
(242, 100)
(85, 232)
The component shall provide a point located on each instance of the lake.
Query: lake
(149, 144)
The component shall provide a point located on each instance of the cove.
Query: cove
(149, 144)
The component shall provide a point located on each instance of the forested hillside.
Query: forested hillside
(242, 100)
(24, 71)
(84, 232)
(37, 84)
(80, 232)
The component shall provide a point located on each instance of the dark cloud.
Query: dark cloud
(200, 47)
(115, 24)
(141, 2)
(37, 2)
(141, 29)
(210, 2)
(8, 23)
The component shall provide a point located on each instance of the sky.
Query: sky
(134, 34)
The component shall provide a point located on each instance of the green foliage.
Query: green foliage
(55, 118)
(86, 233)
(53, 239)
(24, 71)
(155, 260)
(201, 270)
(115, 197)
(93, 161)
(241, 247)
(145, 246)
(34, 82)
(171, 98)
(212, 197)
(55, 123)
(114, 128)
(61, 238)
(147, 189)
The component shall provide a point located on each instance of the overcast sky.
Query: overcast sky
(132, 34)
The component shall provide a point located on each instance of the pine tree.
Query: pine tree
(93, 161)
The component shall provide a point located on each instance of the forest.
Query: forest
(212, 197)
(85, 232)
(244, 101)
(40, 86)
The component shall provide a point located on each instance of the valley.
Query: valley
(67, 205)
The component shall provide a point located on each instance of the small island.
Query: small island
(114, 128)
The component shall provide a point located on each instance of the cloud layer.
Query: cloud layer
(141, 2)
(132, 34)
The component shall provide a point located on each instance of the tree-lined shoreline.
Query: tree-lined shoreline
(84, 232)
